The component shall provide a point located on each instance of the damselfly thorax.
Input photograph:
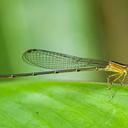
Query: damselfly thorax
(120, 72)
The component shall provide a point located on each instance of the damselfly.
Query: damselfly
(62, 63)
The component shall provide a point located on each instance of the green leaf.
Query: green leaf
(62, 105)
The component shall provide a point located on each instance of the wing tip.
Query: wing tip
(31, 50)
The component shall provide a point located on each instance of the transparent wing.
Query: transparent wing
(53, 60)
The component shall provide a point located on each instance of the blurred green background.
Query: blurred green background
(86, 28)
